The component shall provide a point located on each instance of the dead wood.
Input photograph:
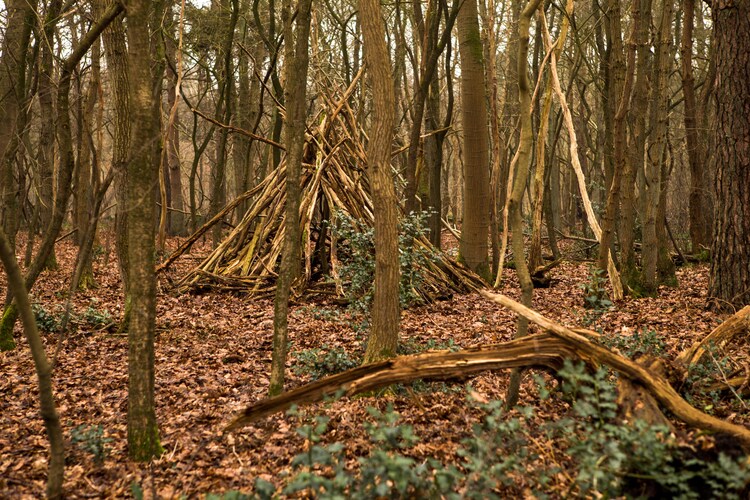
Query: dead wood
(738, 324)
(541, 350)
(185, 245)
(644, 386)
(332, 181)
(540, 276)
(635, 402)
(654, 383)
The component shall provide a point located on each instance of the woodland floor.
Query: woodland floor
(213, 355)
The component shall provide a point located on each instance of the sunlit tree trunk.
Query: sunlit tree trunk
(383, 339)
(142, 187)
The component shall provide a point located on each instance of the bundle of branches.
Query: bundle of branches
(644, 388)
(333, 180)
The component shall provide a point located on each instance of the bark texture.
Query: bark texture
(474, 249)
(297, 62)
(730, 263)
(383, 338)
(20, 16)
(142, 186)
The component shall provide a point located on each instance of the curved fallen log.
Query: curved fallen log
(656, 385)
(547, 350)
(737, 324)
(541, 350)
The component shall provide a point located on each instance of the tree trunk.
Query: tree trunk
(730, 263)
(658, 123)
(476, 200)
(631, 275)
(142, 186)
(618, 107)
(115, 53)
(700, 228)
(296, 62)
(43, 370)
(383, 339)
(525, 146)
(20, 18)
(46, 95)
(224, 62)
(176, 216)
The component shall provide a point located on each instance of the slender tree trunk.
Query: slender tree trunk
(46, 94)
(729, 284)
(115, 53)
(43, 370)
(525, 146)
(618, 107)
(219, 186)
(142, 186)
(296, 62)
(383, 339)
(700, 228)
(641, 14)
(657, 145)
(535, 252)
(20, 19)
(176, 216)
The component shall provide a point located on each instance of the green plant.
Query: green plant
(497, 451)
(644, 342)
(97, 318)
(595, 295)
(708, 369)
(357, 254)
(636, 459)
(323, 361)
(45, 320)
(609, 458)
(90, 438)
(384, 473)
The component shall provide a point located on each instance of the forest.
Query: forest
(367, 249)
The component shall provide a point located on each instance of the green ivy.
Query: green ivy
(357, 253)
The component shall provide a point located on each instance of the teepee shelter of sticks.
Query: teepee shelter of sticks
(333, 180)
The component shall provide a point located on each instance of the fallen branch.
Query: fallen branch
(547, 350)
(541, 350)
(656, 385)
(735, 325)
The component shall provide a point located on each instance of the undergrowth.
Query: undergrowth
(601, 456)
(357, 254)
